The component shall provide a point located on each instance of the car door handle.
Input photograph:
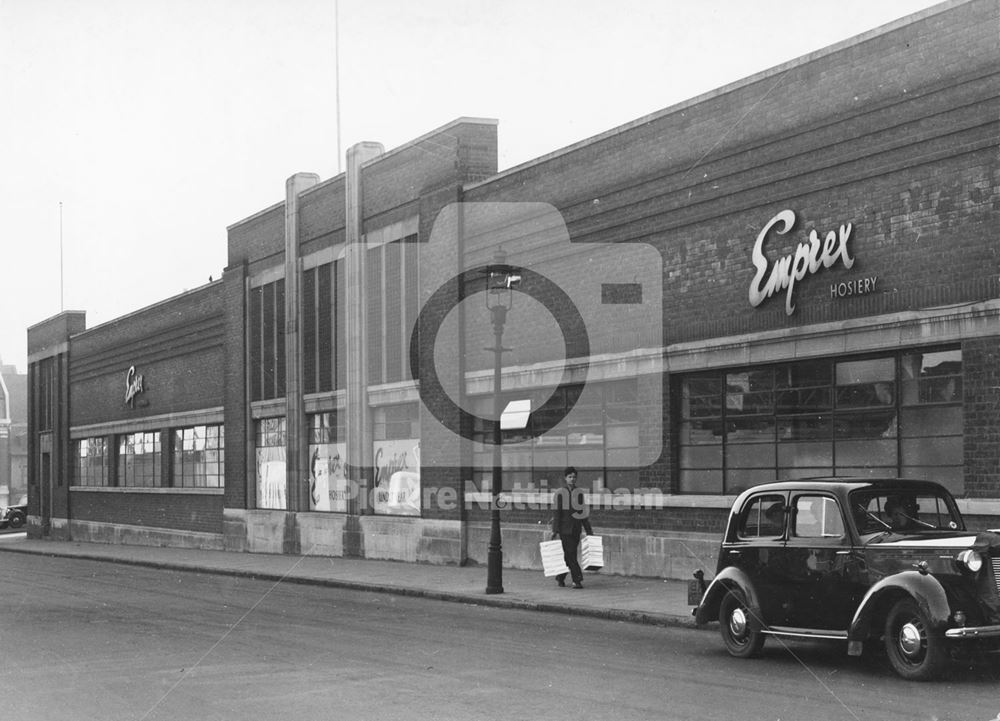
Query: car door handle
(734, 552)
(844, 553)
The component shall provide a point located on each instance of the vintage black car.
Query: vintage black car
(856, 560)
(13, 516)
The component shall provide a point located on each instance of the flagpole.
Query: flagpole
(62, 305)
(336, 66)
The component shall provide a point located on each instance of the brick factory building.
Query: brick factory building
(13, 436)
(793, 275)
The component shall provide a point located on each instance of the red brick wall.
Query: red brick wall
(183, 512)
(876, 134)
(177, 346)
(895, 134)
(236, 410)
(981, 367)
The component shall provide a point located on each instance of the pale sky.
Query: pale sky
(158, 123)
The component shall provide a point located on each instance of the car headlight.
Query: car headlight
(971, 560)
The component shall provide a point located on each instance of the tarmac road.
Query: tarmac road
(97, 640)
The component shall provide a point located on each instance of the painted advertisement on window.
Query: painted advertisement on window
(328, 488)
(271, 477)
(397, 477)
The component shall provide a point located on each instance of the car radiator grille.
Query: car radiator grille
(996, 572)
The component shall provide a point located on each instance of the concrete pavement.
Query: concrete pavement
(622, 598)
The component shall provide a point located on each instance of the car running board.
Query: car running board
(806, 633)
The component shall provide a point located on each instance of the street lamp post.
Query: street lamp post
(501, 279)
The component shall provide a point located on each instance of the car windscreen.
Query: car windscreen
(903, 511)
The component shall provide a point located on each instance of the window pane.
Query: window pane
(270, 457)
(550, 457)
(804, 400)
(942, 451)
(932, 445)
(928, 422)
(764, 516)
(704, 482)
(622, 436)
(866, 453)
(802, 455)
(868, 471)
(932, 377)
(586, 459)
(701, 456)
(878, 424)
(139, 460)
(801, 428)
(951, 477)
(625, 458)
(621, 479)
(755, 429)
(804, 374)
(91, 467)
(741, 479)
(790, 474)
(703, 386)
(867, 383)
(817, 517)
(198, 460)
(701, 396)
(753, 455)
(701, 432)
(865, 371)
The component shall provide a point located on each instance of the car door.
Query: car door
(820, 571)
(759, 536)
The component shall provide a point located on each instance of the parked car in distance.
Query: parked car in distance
(861, 561)
(13, 516)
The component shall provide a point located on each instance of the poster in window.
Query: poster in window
(271, 477)
(327, 480)
(397, 477)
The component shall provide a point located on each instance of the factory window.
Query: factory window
(895, 415)
(267, 341)
(139, 460)
(269, 444)
(599, 436)
(198, 457)
(91, 467)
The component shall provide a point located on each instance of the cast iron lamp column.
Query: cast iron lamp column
(500, 283)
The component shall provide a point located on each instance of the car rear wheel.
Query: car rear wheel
(914, 651)
(741, 631)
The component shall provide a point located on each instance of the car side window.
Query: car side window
(763, 517)
(818, 517)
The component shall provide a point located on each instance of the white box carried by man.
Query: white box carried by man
(591, 553)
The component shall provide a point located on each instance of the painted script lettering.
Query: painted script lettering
(808, 258)
(133, 386)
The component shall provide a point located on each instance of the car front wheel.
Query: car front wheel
(741, 631)
(914, 651)
(16, 521)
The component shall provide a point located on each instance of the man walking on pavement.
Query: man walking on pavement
(570, 516)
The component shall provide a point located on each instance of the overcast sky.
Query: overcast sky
(158, 123)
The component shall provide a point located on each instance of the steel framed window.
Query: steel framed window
(91, 467)
(897, 414)
(140, 461)
(600, 437)
(198, 457)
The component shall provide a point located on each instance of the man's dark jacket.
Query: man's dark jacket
(570, 512)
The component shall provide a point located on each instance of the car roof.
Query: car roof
(846, 483)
